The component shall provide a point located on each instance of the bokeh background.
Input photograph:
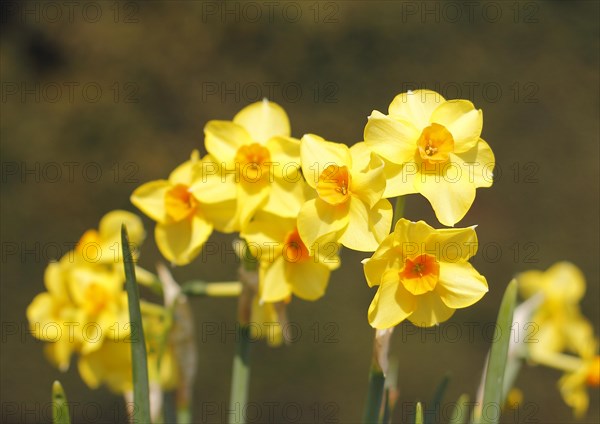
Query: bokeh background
(122, 90)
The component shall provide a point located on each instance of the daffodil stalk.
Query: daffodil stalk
(379, 360)
(240, 377)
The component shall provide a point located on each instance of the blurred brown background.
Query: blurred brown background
(118, 93)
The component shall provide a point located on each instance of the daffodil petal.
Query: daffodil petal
(273, 286)
(462, 120)
(399, 179)
(263, 120)
(392, 303)
(460, 285)
(251, 198)
(184, 173)
(110, 229)
(391, 138)
(268, 231)
(150, 199)
(369, 184)
(221, 215)
(180, 242)
(478, 163)
(308, 279)
(366, 228)
(287, 197)
(450, 193)
(317, 154)
(318, 220)
(223, 139)
(453, 244)
(416, 106)
(565, 281)
(430, 310)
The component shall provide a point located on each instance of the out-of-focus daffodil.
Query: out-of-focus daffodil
(286, 265)
(432, 146)
(564, 338)
(84, 296)
(423, 274)
(349, 208)
(253, 159)
(111, 364)
(184, 223)
(267, 322)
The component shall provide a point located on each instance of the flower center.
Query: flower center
(180, 203)
(96, 298)
(435, 144)
(420, 274)
(334, 184)
(294, 249)
(253, 161)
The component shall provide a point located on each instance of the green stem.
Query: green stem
(60, 409)
(398, 210)
(240, 379)
(374, 395)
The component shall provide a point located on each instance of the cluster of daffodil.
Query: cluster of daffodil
(562, 338)
(295, 203)
(84, 311)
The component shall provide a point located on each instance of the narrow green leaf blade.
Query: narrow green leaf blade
(492, 392)
(141, 391)
(460, 413)
(419, 414)
(60, 410)
(374, 396)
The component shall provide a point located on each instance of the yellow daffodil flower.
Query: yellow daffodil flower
(349, 208)
(423, 275)
(432, 146)
(562, 327)
(266, 322)
(253, 159)
(286, 265)
(184, 223)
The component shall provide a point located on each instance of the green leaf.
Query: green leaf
(493, 387)
(60, 410)
(419, 414)
(374, 396)
(141, 391)
(460, 414)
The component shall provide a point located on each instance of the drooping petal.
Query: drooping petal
(460, 285)
(430, 310)
(223, 139)
(478, 163)
(263, 120)
(318, 220)
(317, 154)
(392, 303)
(416, 106)
(273, 285)
(462, 120)
(150, 199)
(391, 138)
(448, 190)
(180, 242)
(308, 279)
